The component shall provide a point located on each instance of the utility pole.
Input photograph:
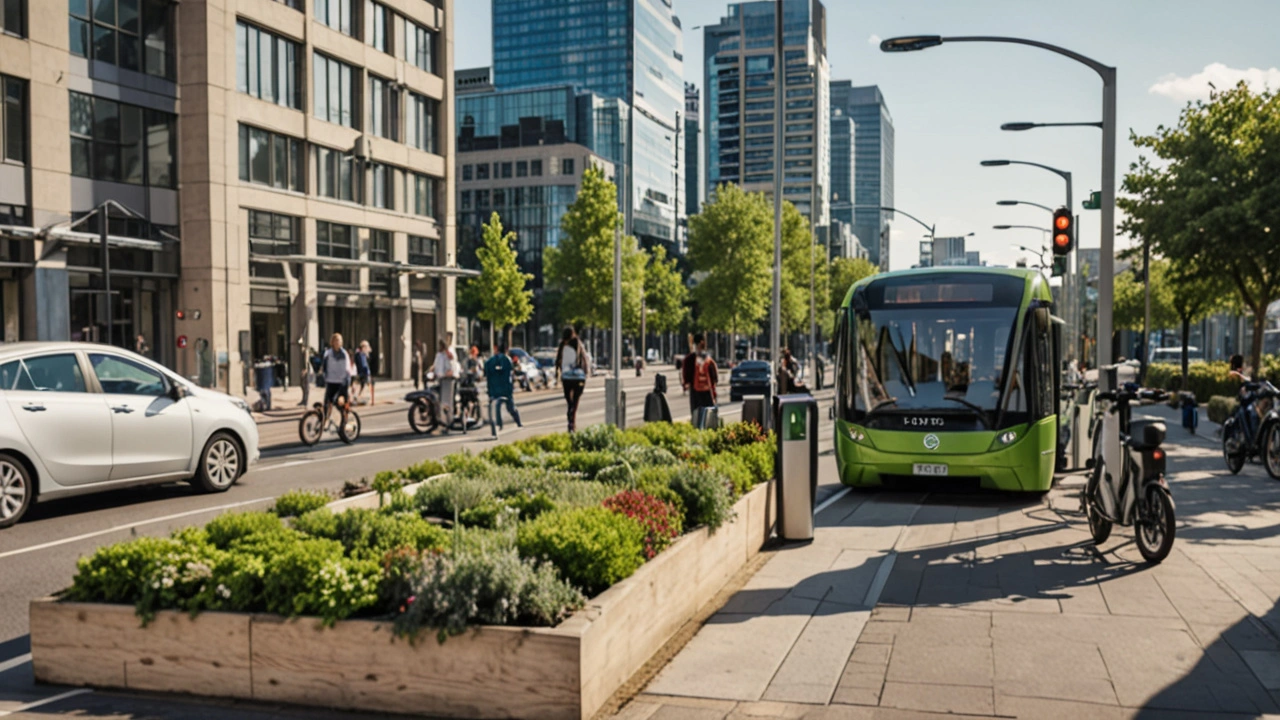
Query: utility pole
(775, 313)
(104, 215)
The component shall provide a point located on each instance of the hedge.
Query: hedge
(1207, 379)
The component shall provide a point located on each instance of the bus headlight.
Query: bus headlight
(1007, 437)
(856, 435)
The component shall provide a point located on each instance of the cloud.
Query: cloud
(1196, 87)
(874, 40)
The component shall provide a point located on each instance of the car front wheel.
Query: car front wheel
(220, 464)
(16, 490)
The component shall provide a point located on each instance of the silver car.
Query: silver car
(78, 418)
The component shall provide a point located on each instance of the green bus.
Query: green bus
(948, 373)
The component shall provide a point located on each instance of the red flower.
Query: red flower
(660, 519)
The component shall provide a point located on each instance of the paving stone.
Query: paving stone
(772, 709)
(943, 664)
(873, 655)
(817, 659)
(638, 710)
(857, 696)
(891, 613)
(680, 712)
(1045, 709)
(1083, 600)
(972, 700)
(1138, 595)
(861, 677)
(879, 632)
(842, 712)
(1265, 665)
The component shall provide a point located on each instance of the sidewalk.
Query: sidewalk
(286, 404)
(923, 604)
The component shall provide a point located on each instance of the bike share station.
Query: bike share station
(795, 418)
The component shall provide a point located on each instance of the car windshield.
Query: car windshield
(937, 346)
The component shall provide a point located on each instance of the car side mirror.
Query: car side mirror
(177, 392)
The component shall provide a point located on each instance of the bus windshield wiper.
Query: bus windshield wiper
(977, 409)
(871, 413)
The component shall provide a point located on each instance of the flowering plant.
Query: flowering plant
(660, 520)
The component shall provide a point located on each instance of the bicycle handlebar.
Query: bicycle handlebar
(1154, 394)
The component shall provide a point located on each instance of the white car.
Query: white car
(79, 418)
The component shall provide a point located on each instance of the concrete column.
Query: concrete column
(12, 317)
(49, 296)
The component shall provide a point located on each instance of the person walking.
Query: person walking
(141, 347)
(447, 371)
(705, 378)
(362, 370)
(473, 368)
(502, 389)
(572, 367)
(687, 367)
(415, 367)
(336, 366)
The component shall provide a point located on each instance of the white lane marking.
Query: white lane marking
(12, 663)
(46, 701)
(126, 526)
(831, 500)
(880, 580)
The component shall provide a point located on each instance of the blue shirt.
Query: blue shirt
(497, 370)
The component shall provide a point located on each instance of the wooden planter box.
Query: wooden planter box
(563, 673)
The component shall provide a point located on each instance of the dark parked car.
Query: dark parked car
(749, 377)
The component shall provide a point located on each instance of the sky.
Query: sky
(948, 102)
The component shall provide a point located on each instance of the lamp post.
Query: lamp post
(1065, 175)
(1106, 281)
(1019, 126)
(1046, 232)
(779, 74)
(1025, 202)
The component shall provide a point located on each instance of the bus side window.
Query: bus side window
(1045, 376)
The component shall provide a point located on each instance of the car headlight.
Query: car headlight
(240, 403)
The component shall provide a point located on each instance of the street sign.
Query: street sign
(182, 342)
(1094, 202)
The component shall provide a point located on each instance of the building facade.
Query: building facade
(872, 185)
(740, 113)
(692, 176)
(631, 50)
(268, 184)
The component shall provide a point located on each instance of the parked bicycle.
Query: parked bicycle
(1130, 489)
(1253, 430)
(314, 424)
(426, 414)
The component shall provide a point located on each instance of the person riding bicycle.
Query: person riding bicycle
(336, 366)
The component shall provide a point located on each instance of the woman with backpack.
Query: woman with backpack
(703, 379)
(572, 367)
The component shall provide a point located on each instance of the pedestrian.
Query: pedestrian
(415, 367)
(502, 389)
(822, 370)
(308, 371)
(686, 367)
(572, 367)
(705, 378)
(362, 370)
(141, 347)
(473, 368)
(336, 366)
(446, 370)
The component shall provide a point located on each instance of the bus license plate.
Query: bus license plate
(929, 469)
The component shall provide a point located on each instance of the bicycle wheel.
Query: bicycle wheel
(1233, 451)
(1099, 526)
(1271, 451)
(422, 417)
(349, 429)
(1156, 525)
(311, 427)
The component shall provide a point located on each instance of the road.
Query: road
(38, 555)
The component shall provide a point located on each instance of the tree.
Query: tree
(666, 296)
(581, 268)
(1195, 295)
(1214, 200)
(1129, 308)
(501, 290)
(802, 262)
(844, 273)
(730, 246)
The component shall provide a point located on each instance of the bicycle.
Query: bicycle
(1250, 432)
(313, 424)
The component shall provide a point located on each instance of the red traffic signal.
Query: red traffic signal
(182, 314)
(1064, 231)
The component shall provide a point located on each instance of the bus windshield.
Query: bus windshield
(935, 353)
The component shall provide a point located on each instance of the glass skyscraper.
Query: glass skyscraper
(740, 112)
(626, 49)
(692, 163)
(872, 163)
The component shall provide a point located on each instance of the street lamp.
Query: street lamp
(1106, 285)
(1024, 202)
(1019, 126)
(1065, 175)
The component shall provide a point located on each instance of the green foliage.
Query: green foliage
(370, 534)
(592, 548)
(803, 262)
(454, 494)
(731, 436)
(116, 573)
(666, 296)
(670, 436)
(1130, 298)
(230, 527)
(446, 593)
(661, 520)
(1221, 407)
(464, 463)
(311, 577)
(731, 242)
(732, 467)
(705, 496)
(296, 502)
(596, 438)
(502, 288)
(423, 470)
(758, 458)
(1203, 379)
(844, 273)
(632, 438)
(619, 475)
(508, 455)
(587, 462)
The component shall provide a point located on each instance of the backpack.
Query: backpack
(702, 375)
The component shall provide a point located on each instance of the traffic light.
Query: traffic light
(1059, 266)
(1063, 231)
(182, 314)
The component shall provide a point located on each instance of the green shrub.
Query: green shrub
(656, 481)
(553, 443)
(509, 455)
(453, 495)
(230, 527)
(758, 458)
(705, 496)
(596, 438)
(531, 505)
(735, 470)
(586, 462)
(298, 502)
(671, 436)
(312, 578)
(1220, 408)
(644, 455)
(116, 573)
(660, 520)
(464, 463)
(180, 580)
(499, 588)
(371, 534)
(592, 548)
(734, 435)
(619, 475)
(423, 470)
(633, 439)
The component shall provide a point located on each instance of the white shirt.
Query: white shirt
(337, 368)
(444, 364)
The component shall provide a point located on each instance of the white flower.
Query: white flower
(167, 582)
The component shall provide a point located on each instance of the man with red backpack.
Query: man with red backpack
(699, 376)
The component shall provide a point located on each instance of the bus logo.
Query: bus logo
(931, 442)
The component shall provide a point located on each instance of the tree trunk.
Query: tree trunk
(510, 329)
(1259, 333)
(1186, 338)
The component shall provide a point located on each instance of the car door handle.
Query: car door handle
(33, 408)
(121, 409)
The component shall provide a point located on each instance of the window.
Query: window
(120, 376)
(268, 66)
(49, 373)
(482, 171)
(132, 34)
(522, 168)
(339, 175)
(499, 198)
(379, 251)
(272, 234)
(535, 168)
(378, 32)
(566, 166)
(335, 92)
(384, 108)
(384, 179)
(466, 200)
(337, 14)
(122, 143)
(419, 46)
(421, 121)
(482, 199)
(13, 17)
(13, 119)
(506, 169)
(467, 171)
(268, 158)
(422, 251)
(335, 241)
(421, 195)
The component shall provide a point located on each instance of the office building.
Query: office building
(948, 252)
(692, 176)
(631, 50)
(521, 154)
(843, 131)
(842, 243)
(740, 112)
(268, 184)
(872, 165)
